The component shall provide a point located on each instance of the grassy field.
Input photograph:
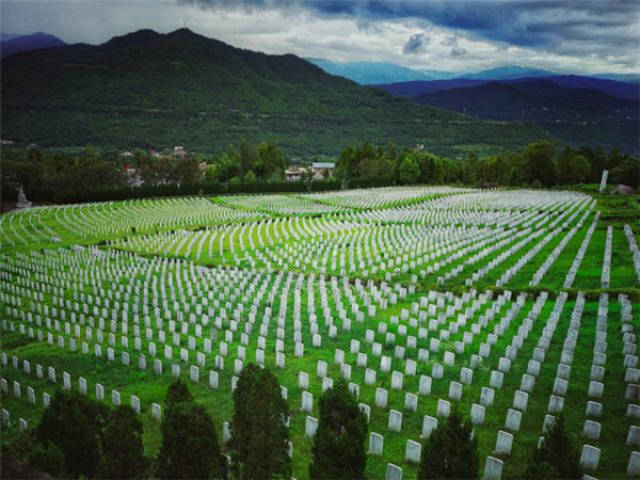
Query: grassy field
(338, 254)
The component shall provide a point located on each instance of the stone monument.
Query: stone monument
(603, 180)
(22, 199)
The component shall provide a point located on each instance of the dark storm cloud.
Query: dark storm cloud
(415, 44)
(554, 25)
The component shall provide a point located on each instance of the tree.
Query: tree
(557, 457)
(268, 440)
(408, 171)
(627, 172)
(339, 445)
(307, 177)
(539, 164)
(250, 177)
(48, 458)
(122, 448)
(176, 393)
(240, 426)
(190, 447)
(450, 452)
(573, 168)
(74, 424)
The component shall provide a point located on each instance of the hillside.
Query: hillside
(11, 44)
(575, 115)
(152, 90)
(625, 90)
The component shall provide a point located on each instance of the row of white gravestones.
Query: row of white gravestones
(606, 261)
(575, 266)
(633, 246)
(504, 439)
(553, 256)
(6, 421)
(82, 386)
(632, 383)
(590, 454)
(125, 357)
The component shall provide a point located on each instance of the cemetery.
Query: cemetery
(511, 306)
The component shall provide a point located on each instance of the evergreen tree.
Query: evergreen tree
(74, 424)
(190, 447)
(240, 428)
(268, 436)
(557, 457)
(122, 449)
(450, 452)
(48, 458)
(178, 392)
(339, 445)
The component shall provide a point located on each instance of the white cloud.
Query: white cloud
(306, 33)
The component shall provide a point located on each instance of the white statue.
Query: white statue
(22, 199)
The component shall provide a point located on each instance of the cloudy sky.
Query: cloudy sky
(582, 36)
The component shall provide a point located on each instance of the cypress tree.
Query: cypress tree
(177, 392)
(450, 452)
(268, 440)
(557, 457)
(74, 424)
(190, 447)
(240, 429)
(122, 449)
(339, 445)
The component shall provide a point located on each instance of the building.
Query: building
(294, 173)
(322, 170)
(179, 151)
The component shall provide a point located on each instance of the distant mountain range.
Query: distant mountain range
(605, 114)
(614, 88)
(10, 44)
(374, 73)
(153, 90)
(369, 73)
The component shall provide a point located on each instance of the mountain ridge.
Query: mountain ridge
(152, 90)
(575, 115)
(19, 43)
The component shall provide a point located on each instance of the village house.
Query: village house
(322, 170)
(294, 173)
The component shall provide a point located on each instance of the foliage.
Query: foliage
(557, 457)
(450, 452)
(339, 445)
(48, 457)
(190, 447)
(408, 171)
(92, 176)
(74, 424)
(267, 448)
(122, 449)
(240, 426)
(176, 393)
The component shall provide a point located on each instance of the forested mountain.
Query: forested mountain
(11, 44)
(575, 115)
(153, 90)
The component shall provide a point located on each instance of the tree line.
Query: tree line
(539, 164)
(93, 175)
(81, 438)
